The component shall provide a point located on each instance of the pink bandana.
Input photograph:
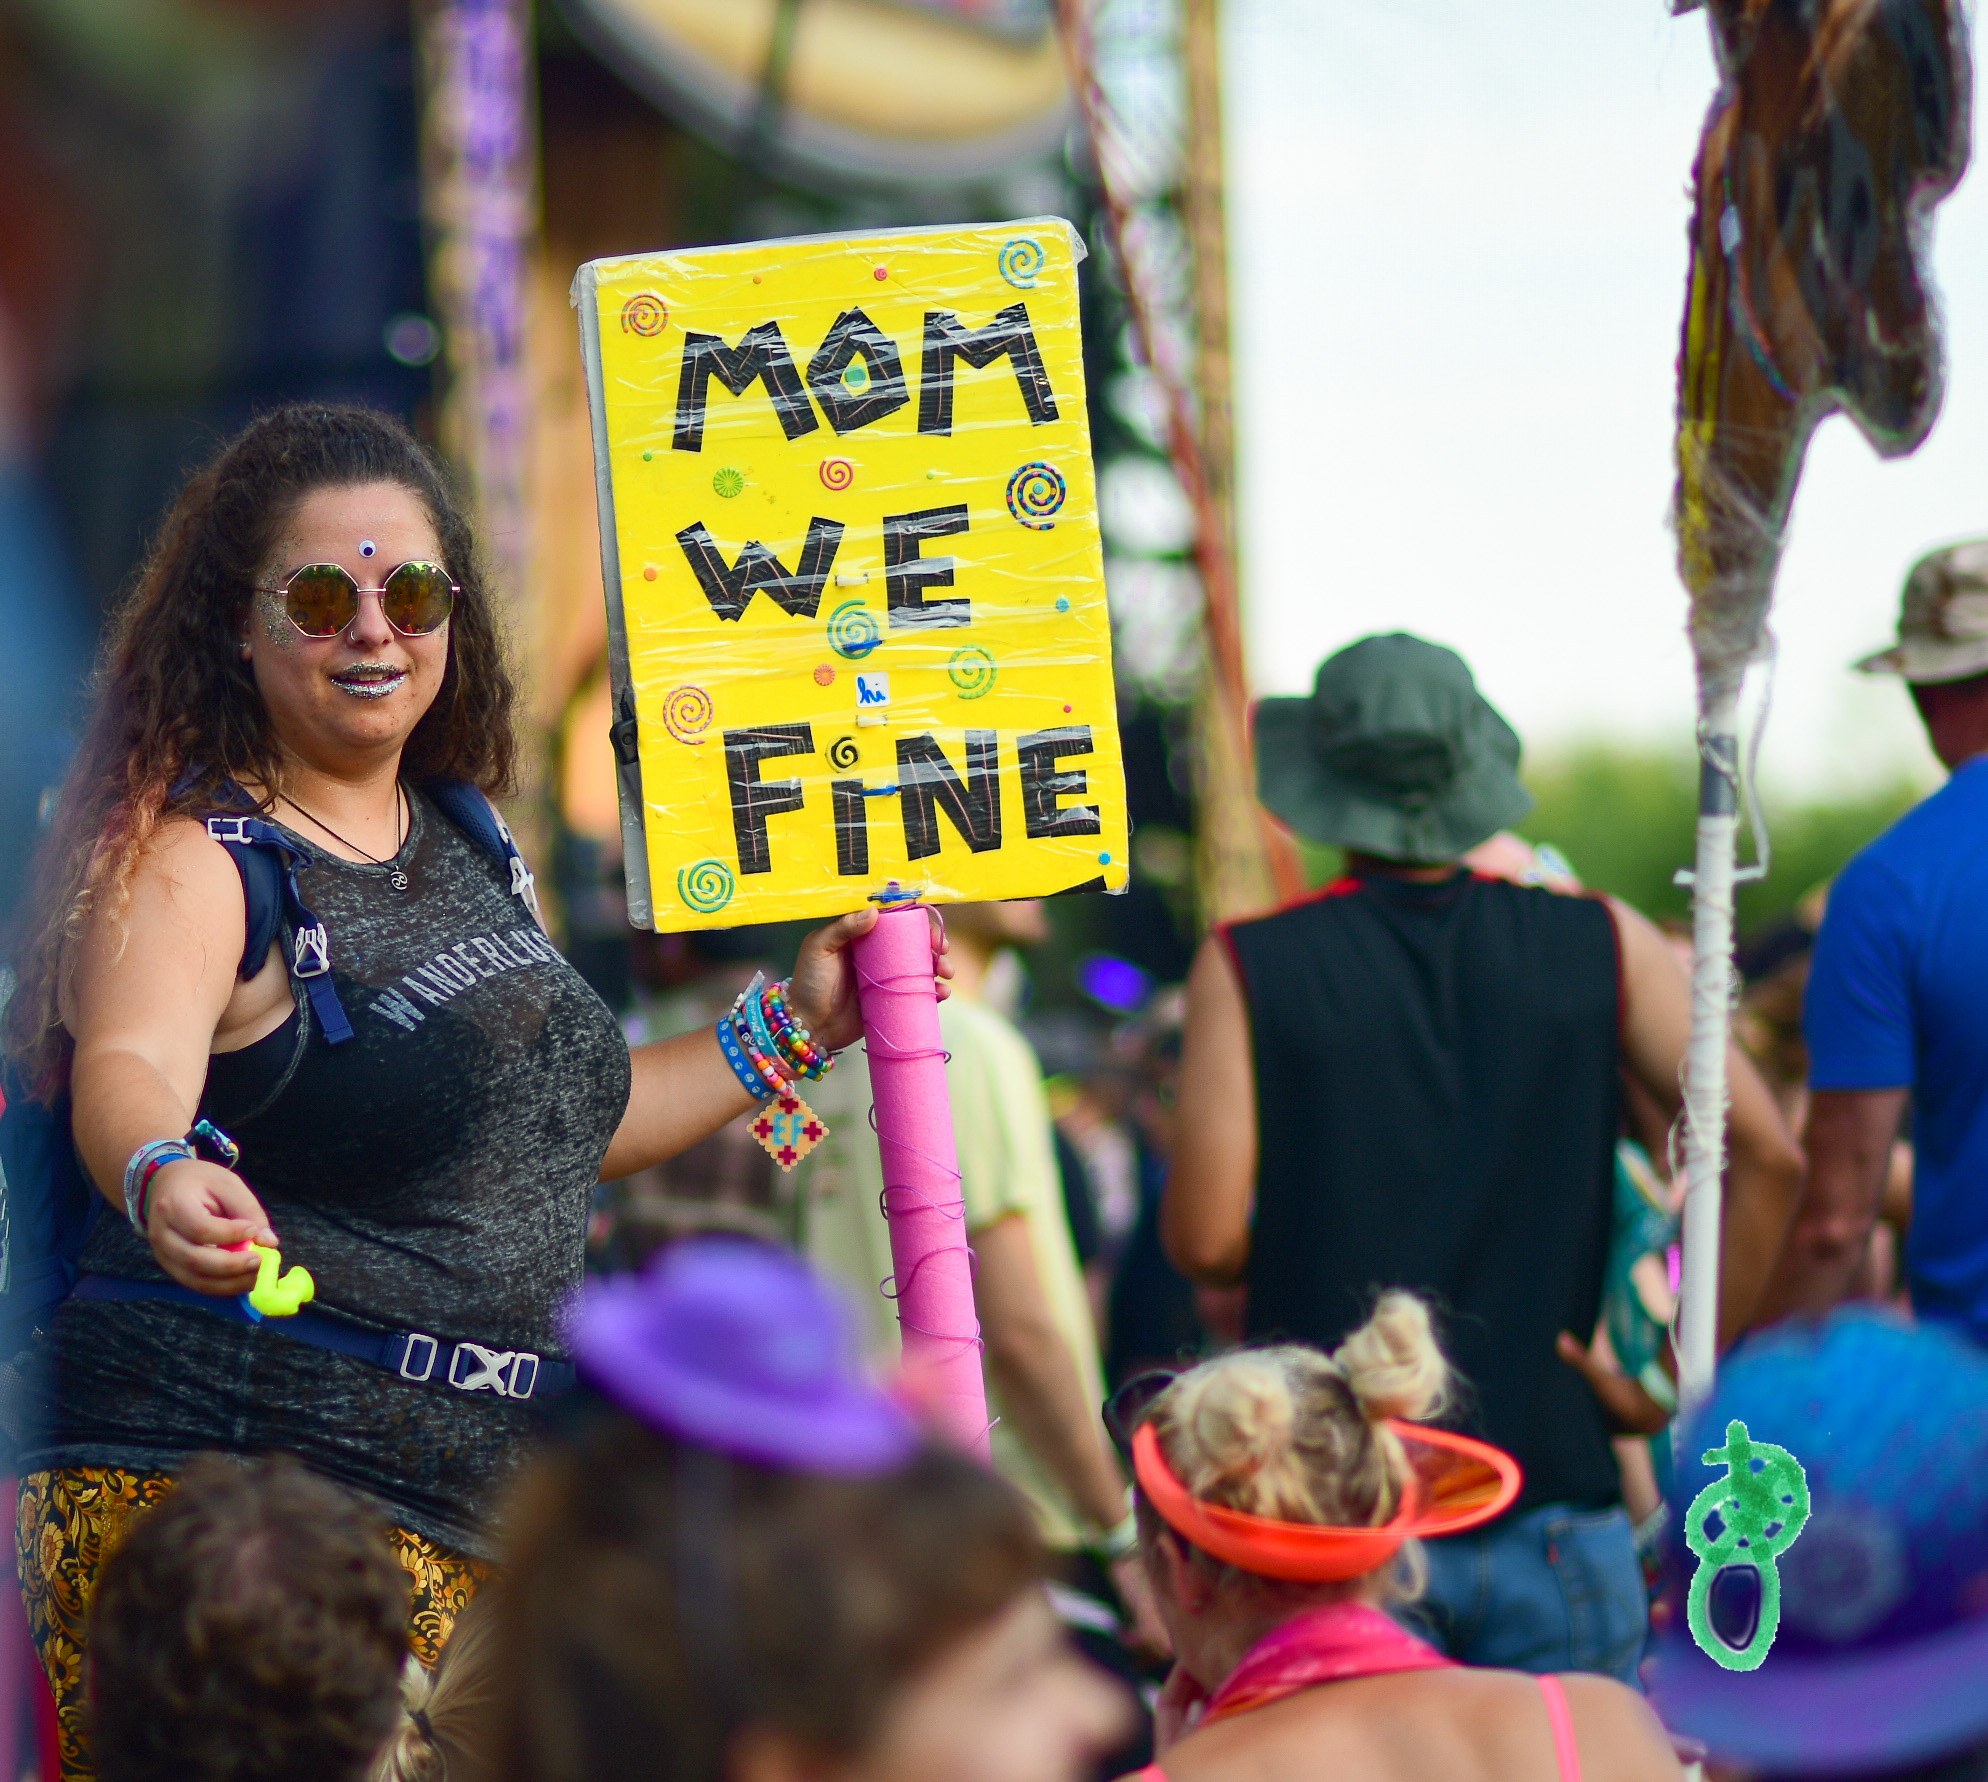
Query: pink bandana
(1325, 1645)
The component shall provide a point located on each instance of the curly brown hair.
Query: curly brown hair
(250, 1629)
(177, 720)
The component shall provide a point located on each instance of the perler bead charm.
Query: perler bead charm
(789, 1129)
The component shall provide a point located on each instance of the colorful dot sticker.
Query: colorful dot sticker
(837, 473)
(881, 273)
(1062, 603)
(1104, 860)
(648, 572)
(646, 456)
(824, 675)
(726, 481)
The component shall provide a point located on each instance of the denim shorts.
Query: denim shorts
(1554, 1589)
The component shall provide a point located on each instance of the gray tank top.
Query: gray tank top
(433, 1173)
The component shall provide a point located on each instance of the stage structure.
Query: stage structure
(1149, 85)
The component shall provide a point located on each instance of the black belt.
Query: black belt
(412, 1354)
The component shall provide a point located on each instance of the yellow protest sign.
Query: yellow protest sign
(855, 592)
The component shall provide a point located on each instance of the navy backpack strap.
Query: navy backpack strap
(254, 845)
(477, 818)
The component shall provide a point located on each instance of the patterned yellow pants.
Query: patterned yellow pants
(68, 1522)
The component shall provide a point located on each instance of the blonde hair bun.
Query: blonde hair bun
(1392, 1363)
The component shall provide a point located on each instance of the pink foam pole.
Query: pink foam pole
(932, 1272)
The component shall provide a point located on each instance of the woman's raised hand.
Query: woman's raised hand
(193, 1212)
(824, 985)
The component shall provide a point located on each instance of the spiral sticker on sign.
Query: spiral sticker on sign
(970, 748)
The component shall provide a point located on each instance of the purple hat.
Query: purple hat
(740, 1347)
(1883, 1643)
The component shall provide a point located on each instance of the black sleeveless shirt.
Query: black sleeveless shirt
(434, 1173)
(1436, 1082)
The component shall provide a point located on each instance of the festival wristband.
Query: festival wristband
(146, 1162)
(753, 1009)
(1113, 1544)
(742, 1067)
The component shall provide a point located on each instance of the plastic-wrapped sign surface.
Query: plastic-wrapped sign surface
(855, 590)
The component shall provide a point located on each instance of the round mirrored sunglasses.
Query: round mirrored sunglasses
(322, 599)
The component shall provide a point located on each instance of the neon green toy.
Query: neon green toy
(1760, 1513)
(271, 1297)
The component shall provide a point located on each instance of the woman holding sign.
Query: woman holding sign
(286, 964)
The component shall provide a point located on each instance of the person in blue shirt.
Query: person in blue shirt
(1897, 1009)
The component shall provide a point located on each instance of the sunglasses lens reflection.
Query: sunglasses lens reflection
(419, 598)
(322, 599)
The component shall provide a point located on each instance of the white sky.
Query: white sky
(1459, 258)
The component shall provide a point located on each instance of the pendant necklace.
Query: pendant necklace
(395, 877)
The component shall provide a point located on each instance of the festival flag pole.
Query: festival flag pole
(1787, 319)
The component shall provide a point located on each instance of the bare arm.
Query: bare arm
(1764, 1173)
(1849, 1139)
(144, 1005)
(1037, 1374)
(682, 1090)
(1211, 1183)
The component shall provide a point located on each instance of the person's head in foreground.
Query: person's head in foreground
(1281, 1495)
(1394, 756)
(447, 1714)
(1942, 648)
(742, 1563)
(1879, 1668)
(250, 1629)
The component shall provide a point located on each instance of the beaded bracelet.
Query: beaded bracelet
(796, 1045)
(146, 1162)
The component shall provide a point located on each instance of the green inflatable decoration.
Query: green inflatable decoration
(1762, 1504)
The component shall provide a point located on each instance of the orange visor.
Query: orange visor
(1457, 1483)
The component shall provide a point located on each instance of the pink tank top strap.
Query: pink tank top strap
(1560, 1717)
(1151, 1773)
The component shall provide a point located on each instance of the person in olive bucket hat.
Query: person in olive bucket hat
(1395, 754)
(1896, 1011)
(1410, 1079)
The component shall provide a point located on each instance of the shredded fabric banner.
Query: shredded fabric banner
(859, 641)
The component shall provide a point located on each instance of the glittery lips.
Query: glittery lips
(369, 680)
